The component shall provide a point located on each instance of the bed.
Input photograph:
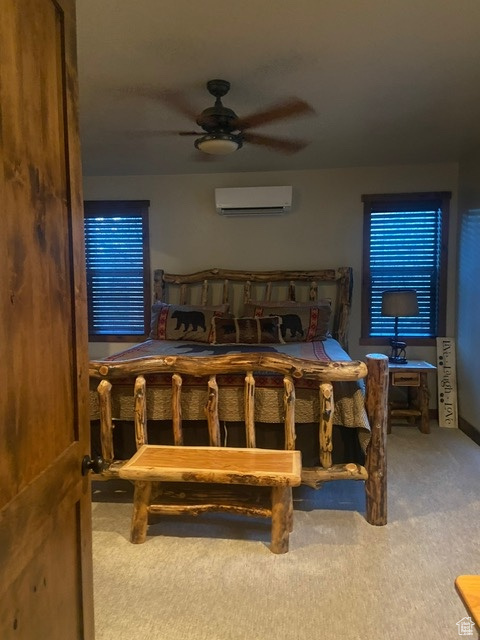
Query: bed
(229, 355)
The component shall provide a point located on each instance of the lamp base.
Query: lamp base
(398, 353)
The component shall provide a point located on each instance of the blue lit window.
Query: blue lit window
(405, 247)
(118, 270)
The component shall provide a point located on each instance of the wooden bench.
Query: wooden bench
(153, 465)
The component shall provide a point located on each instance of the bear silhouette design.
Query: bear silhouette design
(193, 319)
(293, 323)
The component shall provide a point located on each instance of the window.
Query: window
(118, 270)
(405, 247)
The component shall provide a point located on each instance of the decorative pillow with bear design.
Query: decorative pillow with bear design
(184, 322)
(301, 321)
(247, 330)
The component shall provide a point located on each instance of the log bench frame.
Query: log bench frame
(153, 464)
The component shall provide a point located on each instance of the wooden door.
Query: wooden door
(45, 526)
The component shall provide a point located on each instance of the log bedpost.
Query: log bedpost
(250, 409)
(289, 409)
(140, 410)
(376, 460)
(268, 291)
(177, 409)
(247, 292)
(326, 424)
(291, 290)
(104, 391)
(158, 286)
(183, 294)
(211, 411)
(225, 292)
(204, 293)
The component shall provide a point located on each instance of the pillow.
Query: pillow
(301, 321)
(247, 330)
(184, 322)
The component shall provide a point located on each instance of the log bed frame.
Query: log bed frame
(375, 372)
(218, 286)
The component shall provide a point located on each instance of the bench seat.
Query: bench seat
(153, 465)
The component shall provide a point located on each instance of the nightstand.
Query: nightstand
(413, 376)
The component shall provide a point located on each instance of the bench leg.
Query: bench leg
(290, 511)
(281, 518)
(141, 502)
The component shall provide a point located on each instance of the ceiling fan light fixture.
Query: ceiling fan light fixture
(218, 144)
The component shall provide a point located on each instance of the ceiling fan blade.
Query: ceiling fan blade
(287, 109)
(173, 99)
(178, 102)
(149, 133)
(278, 144)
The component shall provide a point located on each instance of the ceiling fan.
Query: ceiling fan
(224, 132)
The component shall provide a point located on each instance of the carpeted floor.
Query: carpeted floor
(214, 578)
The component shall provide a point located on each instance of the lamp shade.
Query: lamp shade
(400, 303)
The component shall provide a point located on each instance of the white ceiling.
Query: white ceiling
(391, 81)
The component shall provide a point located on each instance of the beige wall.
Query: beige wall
(324, 228)
(468, 336)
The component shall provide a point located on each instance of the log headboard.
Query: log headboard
(216, 286)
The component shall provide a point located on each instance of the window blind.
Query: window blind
(115, 274)
(405, 252)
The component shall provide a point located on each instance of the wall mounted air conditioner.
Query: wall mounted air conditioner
(253, 201)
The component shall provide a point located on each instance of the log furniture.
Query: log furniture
(275, 469)
(252, 365)
(308, 386)
(237, 288)
(413, 377)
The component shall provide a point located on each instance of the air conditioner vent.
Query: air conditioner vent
(253, 201)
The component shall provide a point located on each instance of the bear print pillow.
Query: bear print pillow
(300, 322)
(184, 322)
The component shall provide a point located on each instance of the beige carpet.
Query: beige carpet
(214, 578)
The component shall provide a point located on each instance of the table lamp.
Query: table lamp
(399, 303)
